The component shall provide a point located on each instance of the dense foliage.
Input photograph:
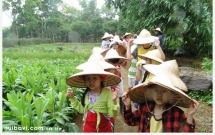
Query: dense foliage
(34, 88)
(60, 22)
(186, 24)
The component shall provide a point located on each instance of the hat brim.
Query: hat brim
(145, 40)
(144, 56)
(121, 59)
(141, 93)
(77, 81)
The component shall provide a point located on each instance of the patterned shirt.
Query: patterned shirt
(173, 120)
(92, 97)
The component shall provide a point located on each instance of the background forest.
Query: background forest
(186, 25)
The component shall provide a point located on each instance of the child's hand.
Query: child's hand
(193, 108)
(115, 93)
(130, 42)
(126, 100)
(70, 93)
(157, 42)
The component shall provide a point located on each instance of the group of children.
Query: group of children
(154, 86)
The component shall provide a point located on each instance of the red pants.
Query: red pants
(91, 120)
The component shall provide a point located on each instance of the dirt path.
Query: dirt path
(203, 116)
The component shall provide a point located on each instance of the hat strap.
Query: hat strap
(163, 111)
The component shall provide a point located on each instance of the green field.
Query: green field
(34, 86)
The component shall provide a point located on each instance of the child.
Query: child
(113, 57)
(151, 57)
(157, 112)
(126, 38)
(117, 45)
(143, 40)
(154, 56)
(132, 68)
(159, 34)
(105, 41)
(98, 103)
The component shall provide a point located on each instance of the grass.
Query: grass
(49, 52)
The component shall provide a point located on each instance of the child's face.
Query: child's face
(145, 45)
(160, 95)
(93, 81)
(115, 47)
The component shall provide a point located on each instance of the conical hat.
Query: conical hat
(142, 93)
(157, 29)
(144, 37)
(100, 50)
(113, 54)
(168, 66)
(153, 54)
(117, 39)
(92, 68)
(127, 34)
(98, 58)
(106, 35)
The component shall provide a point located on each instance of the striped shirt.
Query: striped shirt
(132, 69)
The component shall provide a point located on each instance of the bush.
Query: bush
(206, 96)
(207, 65)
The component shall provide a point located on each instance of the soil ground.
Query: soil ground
(203, 117)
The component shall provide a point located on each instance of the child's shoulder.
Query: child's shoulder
(106, 90)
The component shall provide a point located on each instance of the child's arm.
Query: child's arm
(157, 44)
(74, 101)
(128, 53)
(113, 106)
(138, 74)
(191, 111)
(130, 118)
(189, 122)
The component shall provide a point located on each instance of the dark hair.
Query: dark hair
(135, 36)
(85, 92)
(115, 43)
(114, 61)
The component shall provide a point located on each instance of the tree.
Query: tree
(187, 25)
(82, 28)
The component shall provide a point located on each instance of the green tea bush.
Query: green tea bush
(207, 65)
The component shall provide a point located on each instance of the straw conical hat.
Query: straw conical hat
(98, 58)
(100, 50)
(92, 68)
(153, 54)
(168, 66)
(127, 34)
(157, 29)
(113, 54)
(116, 39)
(106, 35)
(144, 37)
(142, 93)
